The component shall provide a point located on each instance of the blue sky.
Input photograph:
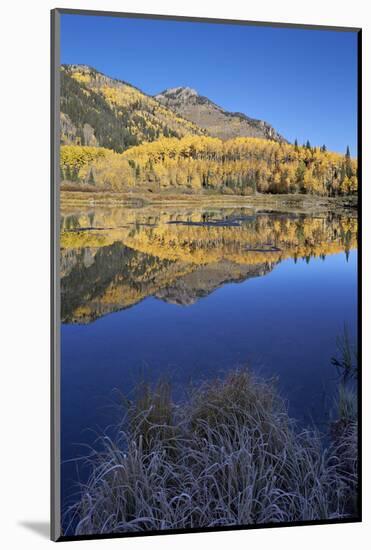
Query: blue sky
(303, 82)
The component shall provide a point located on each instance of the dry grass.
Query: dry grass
(230, 455)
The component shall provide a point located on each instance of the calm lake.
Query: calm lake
(186, 295)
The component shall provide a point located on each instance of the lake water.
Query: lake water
(188, 294)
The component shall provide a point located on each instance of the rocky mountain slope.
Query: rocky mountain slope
(216, 121)
(101, 111)
(98, 110)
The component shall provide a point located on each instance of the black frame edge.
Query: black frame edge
(194, 19)
(359, 266)
(224, 529)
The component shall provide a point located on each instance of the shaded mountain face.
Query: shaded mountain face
(120, 277)
(97, 110)
(201, 282)
(216, 121)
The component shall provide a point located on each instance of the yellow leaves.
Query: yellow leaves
(113, 172)
(266, 238)
(237, 166)
(79, 155)
(75, 160)
(122, 95)
(234, 164)
(353, 186)
(308, 181)
(81, 77)
(145, 117)
(192, 160)
(349, 185)
(189, 146)
(156, 116)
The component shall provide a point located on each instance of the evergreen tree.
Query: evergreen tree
(348, 164)
(68, 175)
(91, 179)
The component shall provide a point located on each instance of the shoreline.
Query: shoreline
(297, 202)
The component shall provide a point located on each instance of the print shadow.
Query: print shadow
(41, 528)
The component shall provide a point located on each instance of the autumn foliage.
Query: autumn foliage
(241, 166)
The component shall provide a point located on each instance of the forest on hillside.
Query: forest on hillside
(200, 164)
(97, 110)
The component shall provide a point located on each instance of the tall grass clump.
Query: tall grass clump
(346, 361)
(344, 429)
(228, 455)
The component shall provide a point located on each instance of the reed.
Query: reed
(228, 455)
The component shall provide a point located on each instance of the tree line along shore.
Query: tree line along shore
(206, 165)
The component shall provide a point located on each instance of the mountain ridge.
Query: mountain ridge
(217, 121)
(99, 110)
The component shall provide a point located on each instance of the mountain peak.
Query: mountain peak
(203, 112)
(178, 94)
(74, 67)
(182, 111)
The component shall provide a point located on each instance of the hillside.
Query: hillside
(116, 138)
(215, 120)
(97, 110)
(200, 164)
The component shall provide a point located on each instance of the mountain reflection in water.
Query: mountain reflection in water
(111, 259)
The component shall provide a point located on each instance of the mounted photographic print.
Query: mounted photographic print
(205, 301)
